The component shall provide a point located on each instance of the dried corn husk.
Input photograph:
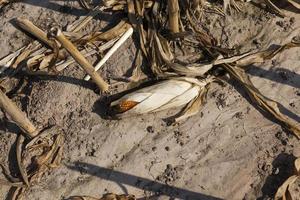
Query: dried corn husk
(36, 158)
(283, 192)
(168, 94)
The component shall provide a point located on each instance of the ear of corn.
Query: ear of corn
(167, 94)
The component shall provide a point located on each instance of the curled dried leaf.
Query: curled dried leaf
(112, 33)
(41, 154)
(22, 169)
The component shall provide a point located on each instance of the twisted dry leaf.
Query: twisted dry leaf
(43, 153)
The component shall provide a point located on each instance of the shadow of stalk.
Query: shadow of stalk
(145, 184)
(283, 166)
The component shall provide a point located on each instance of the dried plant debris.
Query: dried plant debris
(17, 115)
(51, 57)
(3, 3)
(165, 43)
(34, 157)
(279, 11)
(178, 52)
(37, 157)
(75, 53)
(109, 196)
(161, 50)
(284, 192)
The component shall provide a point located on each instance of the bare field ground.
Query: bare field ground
(229, 150)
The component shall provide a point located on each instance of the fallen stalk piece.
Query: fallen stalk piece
(124, 37)
(173, 12)
(74, 52)
(17, 115)
(29, 27)
(86, 53)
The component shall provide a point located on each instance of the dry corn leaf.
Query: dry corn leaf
(18, 194)
(83, 21)
(46, 152)
(47, 60)
(112, 33)
(191, 70)
(263, 102)
(279, 11)
(34, 52)
(242, 60)
(14, 184)
(85, 4)
(228, 4)
(261, 56)
(22, 169)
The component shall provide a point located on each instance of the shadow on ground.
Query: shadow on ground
(145, 184)
(283, 168)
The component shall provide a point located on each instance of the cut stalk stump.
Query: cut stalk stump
(17, 115)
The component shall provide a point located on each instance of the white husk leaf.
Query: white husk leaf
(182, 99)
(8, 60)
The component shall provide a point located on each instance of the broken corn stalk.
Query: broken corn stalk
(167, 94)
(29, 27)
(75, 53)
(17, 115)
(124, 37)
